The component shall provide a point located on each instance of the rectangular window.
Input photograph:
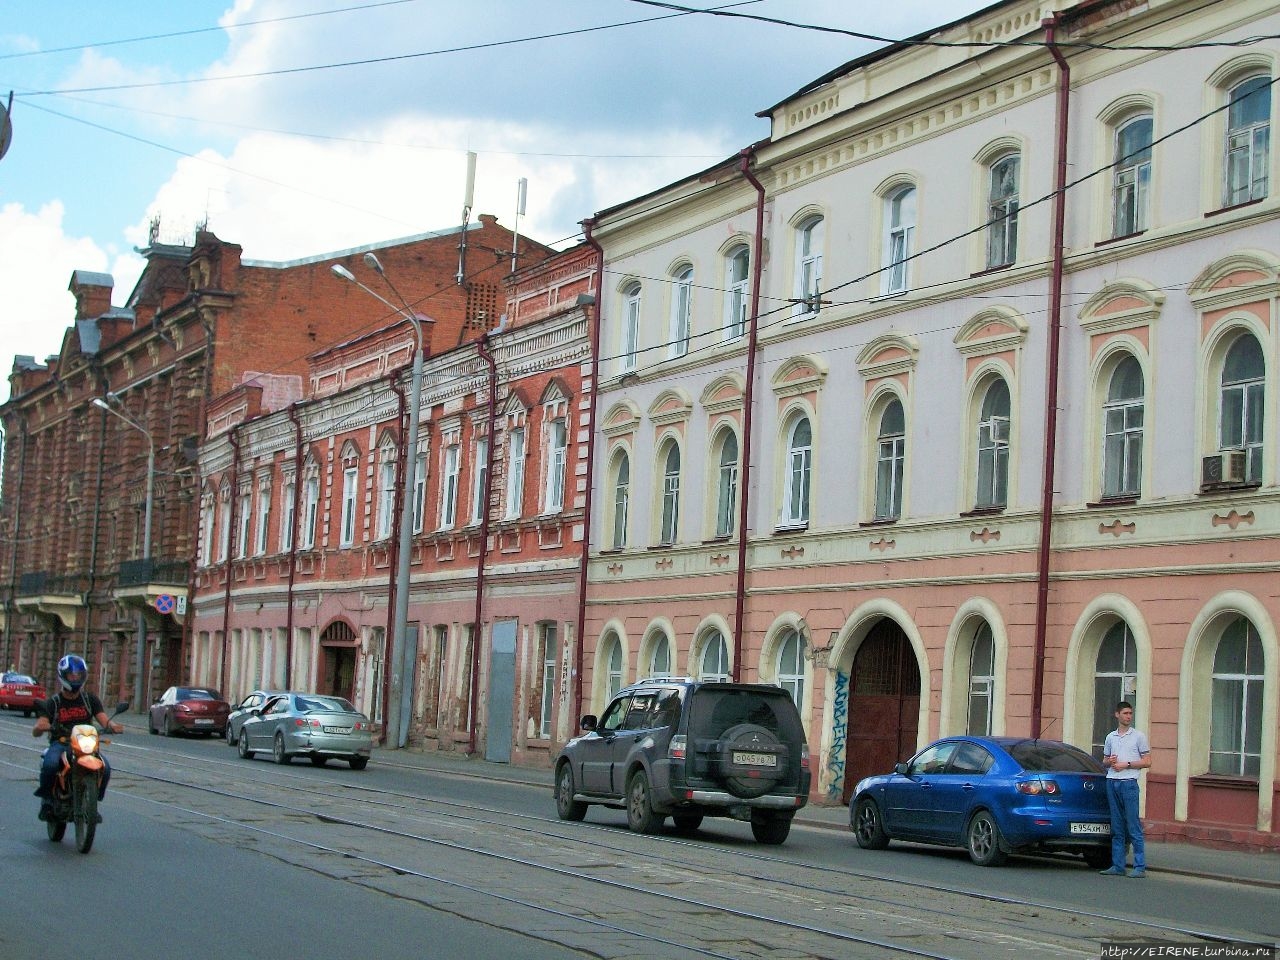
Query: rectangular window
(630, 329)
(310, 512)
(206, 531)
(441, 634)
(386, 498)
(557, 448)
(243, 507)
(419, 491)
(809, 242)
(890, 459)
(287, 516)
(515, 473)
(727, 498)
(681, 308)
(449, 488)
(480, 488)
(1131, 189)
(549, 655)
(264, 520)
(350, 480)
(1248, 145)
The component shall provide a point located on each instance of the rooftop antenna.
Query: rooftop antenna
(522, 187)
(466, 216)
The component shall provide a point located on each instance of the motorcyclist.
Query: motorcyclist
(57, 715)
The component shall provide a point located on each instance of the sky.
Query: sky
(297, 128)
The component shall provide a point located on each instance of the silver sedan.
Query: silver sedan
(307, 725)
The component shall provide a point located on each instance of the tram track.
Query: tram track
(879, 915)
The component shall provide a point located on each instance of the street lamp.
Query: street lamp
(138, 688)
(397, 704)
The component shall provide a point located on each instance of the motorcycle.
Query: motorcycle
(76, 786)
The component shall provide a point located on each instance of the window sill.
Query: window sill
(1120, 239)
(660, 546)
(886, 522)
(784, 528)
(983, 512)
(726, 538)
(1112, 502)
(990, 270)
(1234, 206)
(1225, 781)
(1219, 488)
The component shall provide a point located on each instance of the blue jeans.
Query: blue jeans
(52, 763)
(1126, 827)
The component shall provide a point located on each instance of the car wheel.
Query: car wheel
(151, 725)
(231, 736)
(686, 822)
(277, 751)
(749, 782)
(168, 726)
(983, 841)
(1098, 859)
(867, 825)
(566, 807)
(242, 747)
(358, 763)
(318, 761)
(772, 831)
(641, 816)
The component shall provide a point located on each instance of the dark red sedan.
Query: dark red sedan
(20, 692)
(189, 710)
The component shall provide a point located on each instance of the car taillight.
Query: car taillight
(804, 757)
(1036, 787)
(676, 748)
(305, 722)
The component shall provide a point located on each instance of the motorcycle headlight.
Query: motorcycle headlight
(84, 739)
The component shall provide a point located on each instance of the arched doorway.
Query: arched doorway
(884, 704)
(337, 673)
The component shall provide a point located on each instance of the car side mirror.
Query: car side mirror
(121, 707)
(588, 722)
(900, 768)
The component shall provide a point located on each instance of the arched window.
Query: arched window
(629, 342)
(1235, 738)
(612, 658)
(1122, 426)
(681, 310)
(714, 663)
(660, 658)
(900, 221)
(621, 499)
(982, 682)
(1002, 212)
(890, 458)
(1115, 678)
(790, 666)
(795, 488)
(737, 265)
(1131, 178)
(727, 488)
(809, 240)
(670, 495)
(993, 447)
(1248, 146)
(1243, 395)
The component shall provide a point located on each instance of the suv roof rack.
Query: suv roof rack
(663, 680)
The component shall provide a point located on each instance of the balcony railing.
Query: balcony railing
(45, 583)
(155, 570)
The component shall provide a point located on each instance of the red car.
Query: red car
(20, 692)
(189, 710)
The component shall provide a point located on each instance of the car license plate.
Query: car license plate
(755, 759)
(337, 729)
(204, 723)
(22, 693)
(1102, 828)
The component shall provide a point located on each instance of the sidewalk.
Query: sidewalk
(1255, 869)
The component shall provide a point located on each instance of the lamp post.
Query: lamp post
(138, 686)
(397, 703)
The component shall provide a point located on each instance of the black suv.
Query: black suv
(688, 750)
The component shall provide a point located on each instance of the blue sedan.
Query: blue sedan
(992, 795)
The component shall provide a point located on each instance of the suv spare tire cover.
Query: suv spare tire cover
(748, 781)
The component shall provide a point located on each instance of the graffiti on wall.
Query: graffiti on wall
(839, 734)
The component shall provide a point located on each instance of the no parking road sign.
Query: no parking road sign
(165, 603)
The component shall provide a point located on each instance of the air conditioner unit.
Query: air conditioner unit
(1223, 467)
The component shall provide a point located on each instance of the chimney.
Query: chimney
(92, 292)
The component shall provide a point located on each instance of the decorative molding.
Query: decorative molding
(1115, 528)
(664, 563)
(994, 330)
(986, 535)
(799, 375)
(790, 553)
(882, 544)
(1132, 303)
(888, 356)
(614, 569)
(1233, 519)
(719, 559)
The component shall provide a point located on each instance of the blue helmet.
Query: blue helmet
(72, 672)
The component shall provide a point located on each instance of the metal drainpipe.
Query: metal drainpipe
(1051, 399)
(12, 608)
(482, 346)
(748, 404)
(293, 543)
(93, 536)
(585, 557)
(233, 435)
(402, 407)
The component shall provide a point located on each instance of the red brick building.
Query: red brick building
(300, 508)
(201, 322)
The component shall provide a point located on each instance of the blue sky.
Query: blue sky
(239, 114)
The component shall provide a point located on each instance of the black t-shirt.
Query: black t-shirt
(65, 712)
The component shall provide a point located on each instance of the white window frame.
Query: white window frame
(810, 239)
(1002, 213)
(289, 490)
(310, 512)
(1131, 179)
(727, 486)
(207, 519)
(1247, 147)
(714, 646)
(736, 291)
(621, 499)
(681, 311)
(419, 492)
(1123, 420)
(515, 472)
(1248, 428)
(557, 457)
(263, 528)
(244, 504)
(661, 646)
(449, 486)
(669, 528)
(891, 456)
(629, 336)
(900, 229)
(797, 476)
(350, 491)
(550, 663)
(480, 480)
(789, 666)
(993, 449)
(386, 498)
(982, 686)
(1246, 762)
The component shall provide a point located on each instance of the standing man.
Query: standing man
(1125, 752)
